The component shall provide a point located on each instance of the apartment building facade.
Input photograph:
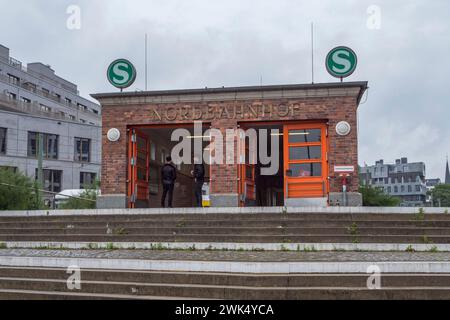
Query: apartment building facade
(34, 103)
(402, 179)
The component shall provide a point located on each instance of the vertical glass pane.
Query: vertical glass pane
(32, 144)
(85, 148)
(305, 135)
(2, 140)
(249, 172)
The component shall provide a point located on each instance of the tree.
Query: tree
(441, 195)
(375, 197)
(18, 192)
(86, 200)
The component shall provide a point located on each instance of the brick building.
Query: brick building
(315, 125)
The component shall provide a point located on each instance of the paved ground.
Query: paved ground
(266, 256)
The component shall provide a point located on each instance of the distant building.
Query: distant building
(431, 184)
(402, 179)
(34, 102)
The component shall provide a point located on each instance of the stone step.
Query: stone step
(225, 216)
(12, 294)
(279, 230)
(255, 238)
(231, 279)
(131, 290)
(225, 223)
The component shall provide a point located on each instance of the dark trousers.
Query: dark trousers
(198, 192)
(167, 188)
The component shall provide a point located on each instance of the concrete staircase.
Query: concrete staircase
(231, 228)
(50, 283)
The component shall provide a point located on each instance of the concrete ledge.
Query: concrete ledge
(228, 266)
(227, 210)
(369, 247)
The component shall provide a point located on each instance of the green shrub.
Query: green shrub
(375, 197)
(18, 192)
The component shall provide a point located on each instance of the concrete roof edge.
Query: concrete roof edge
(363, 85)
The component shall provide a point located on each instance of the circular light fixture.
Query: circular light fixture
(343, 128)
(113, 134)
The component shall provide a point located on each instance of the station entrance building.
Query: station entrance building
(303, 136)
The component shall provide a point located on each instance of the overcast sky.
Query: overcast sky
(195, 43)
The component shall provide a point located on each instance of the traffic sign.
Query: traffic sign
(341, 62)
(121, 73)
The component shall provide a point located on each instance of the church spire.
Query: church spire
(447, 174)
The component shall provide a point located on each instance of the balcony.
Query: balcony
(29, 108)
(32, 88)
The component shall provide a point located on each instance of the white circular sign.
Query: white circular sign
(343, 128)
(113, 134)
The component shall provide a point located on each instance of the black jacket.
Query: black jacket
(168, 173)
(199, 172)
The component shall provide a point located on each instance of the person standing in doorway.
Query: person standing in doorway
(199, 179)
(168, 177)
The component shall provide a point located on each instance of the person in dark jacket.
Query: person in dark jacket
(168, 177)
(199, 179)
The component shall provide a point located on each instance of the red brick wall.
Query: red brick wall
(342, 150)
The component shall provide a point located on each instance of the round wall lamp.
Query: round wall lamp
(113, 134)
(343, 128)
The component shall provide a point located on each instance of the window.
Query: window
(395, 189)
(46, 92)
(389, 189)
(58, 96)
(25, 100)
(3, 140)
(409, 188)
(49, 142)
(95, 111)
(11, 96)
(68, 101)
(402, 188)
(44, 108)
(305, 153)
(82, 107)
(418, 188)
(13, 79)
(51, 179)
(82, 121)
(304, 136)
(305, 169)
(82, 149)
(86, 179)
(71, 117)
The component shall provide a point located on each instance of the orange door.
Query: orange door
(305, 161)
(247, 185)
(138, 167)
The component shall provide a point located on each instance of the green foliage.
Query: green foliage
(90, 193)
(375, 197)
(420, 215)
(19, 193)
(441, 195)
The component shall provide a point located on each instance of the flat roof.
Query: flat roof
(363, 85)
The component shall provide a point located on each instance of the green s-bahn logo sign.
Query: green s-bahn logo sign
(341, 62)
(121, 73)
